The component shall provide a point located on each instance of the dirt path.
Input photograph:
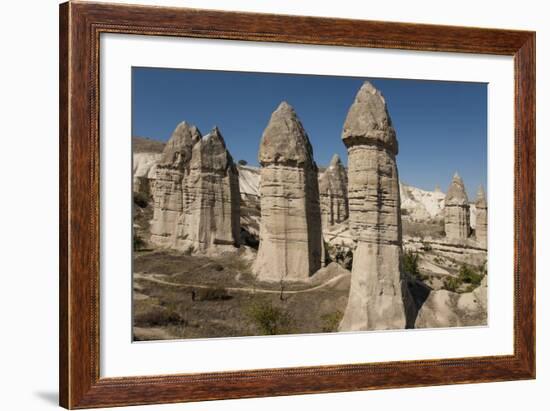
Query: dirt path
(154, 278)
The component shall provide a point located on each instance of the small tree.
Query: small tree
(269, 319)
(410, 264)
(331, 321)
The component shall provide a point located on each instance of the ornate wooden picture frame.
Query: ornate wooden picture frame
(80, 27)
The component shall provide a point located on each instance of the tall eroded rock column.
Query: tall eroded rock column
(169, 176)
(481, 218)
(291, 244)
(378, 293)
(457, 211)
(333, 193)
(210, 218)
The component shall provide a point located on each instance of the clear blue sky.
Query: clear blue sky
(441, 126)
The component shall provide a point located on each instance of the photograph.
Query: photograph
(280, 203)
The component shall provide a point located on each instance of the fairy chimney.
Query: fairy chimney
(481, 218)
(333, 193)
(169, 177)
(210, 216)
(291, 244)
(457, 211)
(378, 294)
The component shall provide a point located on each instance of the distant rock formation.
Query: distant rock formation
(210, 217)
(378, 294)
(291, 243)
(169, 175)
(457, 211)
(481, 218)
(421, 205)
(333, 193)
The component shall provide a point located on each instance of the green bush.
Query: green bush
(469, 276)
(141, 200)
(451, 284)
(158, 317)
(269, 319)
(410, 264)
(214, 294)
(331, 321)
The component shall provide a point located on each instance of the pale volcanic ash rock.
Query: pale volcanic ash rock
(333, 193)
(457, 211)
(210, 217)
(169, 176)
(481, 218)
(378, 294)
(291, 243)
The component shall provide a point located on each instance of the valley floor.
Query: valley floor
(179, 296)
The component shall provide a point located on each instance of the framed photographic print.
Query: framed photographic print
(259, 205)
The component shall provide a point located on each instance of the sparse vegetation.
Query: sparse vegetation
(243, 162)
(213, 294)
(468, 279)
(269, 319)
(410, 264)
(340, 254)
(469, 276)
(451, 284)
(331, 321)
(141, 200)
(138, 242)
(159, 317)
(426, 247)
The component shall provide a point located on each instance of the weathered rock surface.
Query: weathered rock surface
(457, 211)
(444, 308)
(421, 205)
(291, 244)
(378, 294)
(169, 176)
(144, 167)
(481, 218)
(210, 214)
(249, 184)
(333, 193)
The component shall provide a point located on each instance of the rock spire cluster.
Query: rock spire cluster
(196, 193)
(333, 193)
(291, 242)
(168, 190)
(378, 294)
(457, 211)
